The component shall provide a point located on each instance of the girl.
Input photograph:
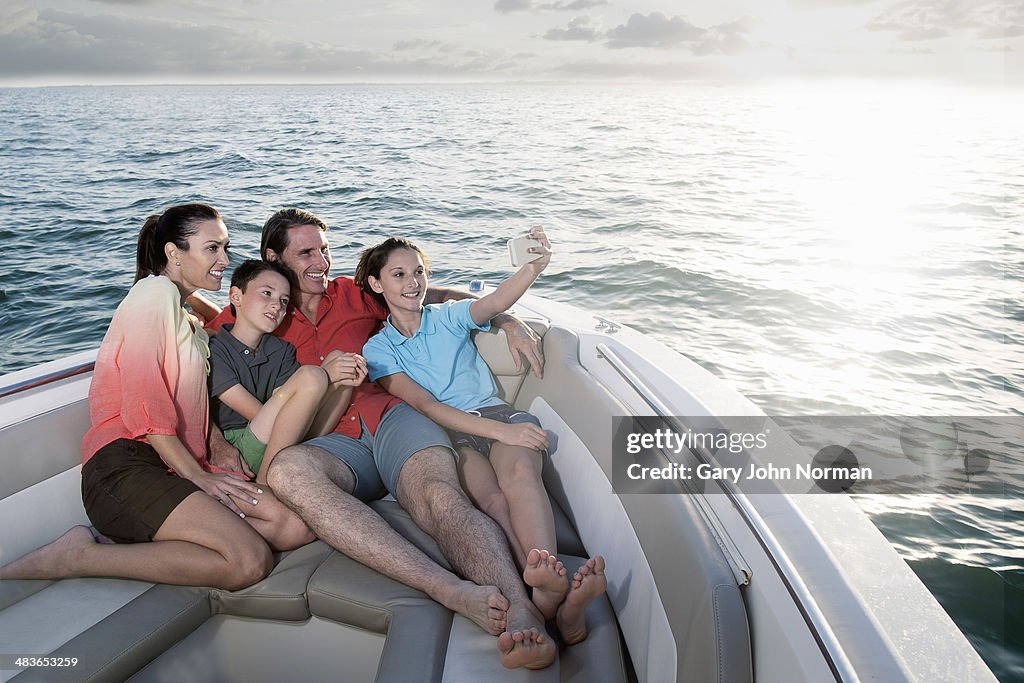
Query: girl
(425, 356)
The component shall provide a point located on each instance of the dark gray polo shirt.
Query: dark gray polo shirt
(259, 371)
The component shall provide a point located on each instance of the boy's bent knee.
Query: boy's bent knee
(311, 378)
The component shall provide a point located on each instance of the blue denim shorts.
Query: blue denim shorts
(501, 413)
(376, 460)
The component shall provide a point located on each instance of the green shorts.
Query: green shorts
(251, 448)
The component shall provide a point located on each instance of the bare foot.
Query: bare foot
(546, 575)
(485, 606)
(526, 643)
(587, 583)
(530, 649)
(56, 560)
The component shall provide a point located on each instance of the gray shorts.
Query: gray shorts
(376, 460)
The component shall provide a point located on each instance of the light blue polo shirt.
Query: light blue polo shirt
(440, 357)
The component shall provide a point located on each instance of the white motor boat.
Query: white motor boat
(718, 585)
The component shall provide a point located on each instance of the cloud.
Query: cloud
(509, 6)
(653, 30)
(423, 45)
(71, 46)
(726, 39)
(818, 4)
(917, 20)
(656, 30)
(580, 28)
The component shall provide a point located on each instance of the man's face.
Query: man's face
(309, 257)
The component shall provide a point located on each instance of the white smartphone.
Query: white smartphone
(517, 250)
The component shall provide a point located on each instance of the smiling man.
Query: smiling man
(382, 445)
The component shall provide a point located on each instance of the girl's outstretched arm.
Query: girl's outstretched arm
(509, 291)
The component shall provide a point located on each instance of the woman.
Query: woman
(192, 525)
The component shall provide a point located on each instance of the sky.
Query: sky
(47, 42)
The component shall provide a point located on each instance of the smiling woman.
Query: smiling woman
(149, 412)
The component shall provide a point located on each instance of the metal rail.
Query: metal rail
(49, 378)
(823, 636)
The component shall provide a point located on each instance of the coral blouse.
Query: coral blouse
(150, 375)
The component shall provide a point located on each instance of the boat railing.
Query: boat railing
(829, 645)
(43, 380)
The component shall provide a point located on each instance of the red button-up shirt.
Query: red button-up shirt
(345, 320)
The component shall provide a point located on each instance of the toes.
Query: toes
(497, 601)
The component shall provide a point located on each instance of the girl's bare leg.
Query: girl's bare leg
(481, 485)
(518, 472)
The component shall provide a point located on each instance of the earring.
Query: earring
(177, 263)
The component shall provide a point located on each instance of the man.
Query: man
(382, 444)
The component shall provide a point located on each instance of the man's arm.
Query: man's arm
(223, 455)
(203, 307)
(521, 339)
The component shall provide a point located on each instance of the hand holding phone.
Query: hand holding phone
(518, 252)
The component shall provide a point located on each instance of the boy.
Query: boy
(261, 398)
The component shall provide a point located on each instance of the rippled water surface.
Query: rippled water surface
(842, 250)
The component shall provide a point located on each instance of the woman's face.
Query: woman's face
(202, 266)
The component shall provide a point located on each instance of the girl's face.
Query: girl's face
(202, 266)
(403, 280)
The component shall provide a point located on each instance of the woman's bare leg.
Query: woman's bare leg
(275, 522)
(201, 543)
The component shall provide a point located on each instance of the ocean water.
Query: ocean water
(827, 249)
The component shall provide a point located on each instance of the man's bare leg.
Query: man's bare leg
(428, 488)
(316, 485)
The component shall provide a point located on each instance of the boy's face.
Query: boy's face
(264, 302)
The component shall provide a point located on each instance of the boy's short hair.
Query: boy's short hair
(250, 269)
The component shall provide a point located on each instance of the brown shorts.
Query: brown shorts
(128, 491)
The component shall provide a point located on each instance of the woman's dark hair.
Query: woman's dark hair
(275, 230)
(176, 225)
(250, 269)
(374, 258)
